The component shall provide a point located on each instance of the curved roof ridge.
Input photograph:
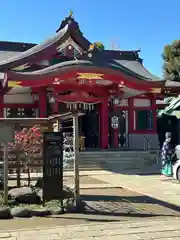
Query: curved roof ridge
(98, 59)
(138, 69)
(54, 69)
(155, 77)
(123, 50)
(41, 48)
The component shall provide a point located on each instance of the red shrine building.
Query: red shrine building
(117, 94)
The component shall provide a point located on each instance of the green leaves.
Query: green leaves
(171, 57)
(99, 45)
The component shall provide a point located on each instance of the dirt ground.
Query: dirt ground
(103, 205)
(83, 180)
(68, 180)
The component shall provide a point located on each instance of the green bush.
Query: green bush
(99, 45)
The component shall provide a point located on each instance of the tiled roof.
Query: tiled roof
(15, 46)
(139, 69)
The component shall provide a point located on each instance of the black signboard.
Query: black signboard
(52, 166)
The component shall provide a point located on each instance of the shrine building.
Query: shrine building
(117, 94)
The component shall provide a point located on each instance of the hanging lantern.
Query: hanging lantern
(52, 99)
(116, 101)
(35, 97)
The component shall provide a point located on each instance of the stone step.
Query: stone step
(119, 158)
(115, 159)
(118, 165)
(114, 155)
(113, 162)
(101, 160)
(118, 153)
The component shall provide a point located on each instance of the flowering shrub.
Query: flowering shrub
(27, 140)
(27, 145)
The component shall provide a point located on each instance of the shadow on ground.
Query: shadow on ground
(103, 205)
(127, 203)
(145, 171)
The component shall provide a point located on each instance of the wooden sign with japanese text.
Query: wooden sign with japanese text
(52, 166)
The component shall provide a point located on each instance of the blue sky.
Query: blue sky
(132, 24)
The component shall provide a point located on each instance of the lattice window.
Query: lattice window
(76, 53)
(144, 120)
(20, 113)
(63, 52)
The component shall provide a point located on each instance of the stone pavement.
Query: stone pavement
(164, 189)
(126, 230)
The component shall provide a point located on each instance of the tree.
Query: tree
(171, 57)
(99, 45)
(27, 145)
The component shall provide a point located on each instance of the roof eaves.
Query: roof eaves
(22, 57)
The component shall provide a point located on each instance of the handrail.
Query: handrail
(158, 156)
(147, 144)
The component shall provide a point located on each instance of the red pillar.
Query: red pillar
(1, 105)
(154, 112)
(55, 105)
(104, 124)
(131, 115)
(116, 130)
(42, 103)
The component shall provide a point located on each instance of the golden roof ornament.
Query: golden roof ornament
(71, 14)
(91, 47)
